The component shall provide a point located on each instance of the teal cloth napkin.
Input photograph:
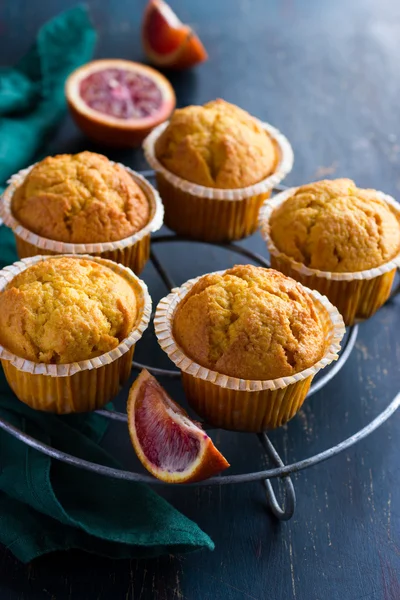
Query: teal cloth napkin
(32, 93)
(47, 505)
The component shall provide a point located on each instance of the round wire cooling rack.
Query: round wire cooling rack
(279, 470)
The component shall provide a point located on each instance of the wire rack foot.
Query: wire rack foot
(285, 512)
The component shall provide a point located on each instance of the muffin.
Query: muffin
(82, 203)
(217, 145)
(254, 324)
(215, 165)
(67, 330)
(80, 199)
(249, 342)
(339, 239)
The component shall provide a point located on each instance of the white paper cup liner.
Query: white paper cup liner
(163, 324)
(65, 370)
(283, 167)
(154, 224)
(264, 218)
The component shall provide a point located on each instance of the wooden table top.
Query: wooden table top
(327, 74)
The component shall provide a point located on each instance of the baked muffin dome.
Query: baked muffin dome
(217, 145)
(336, 226)
(81, 199)
(250, 323)
(64, 310)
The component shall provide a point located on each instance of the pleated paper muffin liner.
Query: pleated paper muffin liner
(357, 295)
(81, 386)
(241, 404)
(213, 214)
(133, 251)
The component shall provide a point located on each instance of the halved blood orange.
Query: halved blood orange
(118, 102)
(167, 41)
(171, 446)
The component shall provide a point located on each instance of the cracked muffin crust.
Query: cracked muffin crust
(80, 199)
(250, 323)
(217, 145)
(65, 310)
(333, 225)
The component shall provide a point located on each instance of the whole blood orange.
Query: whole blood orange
(167, 41)
(118, 102)
(171, 446)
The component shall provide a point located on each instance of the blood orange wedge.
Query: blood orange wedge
(171, 446)
(167, 41)
(118, 102)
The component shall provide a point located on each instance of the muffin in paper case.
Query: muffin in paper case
(212, 214)
(240, 404)
(132, 252)
(81, 386)
(357, 295)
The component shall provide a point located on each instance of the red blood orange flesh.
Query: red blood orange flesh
(171, 446)
(118, 102)
(167, 41)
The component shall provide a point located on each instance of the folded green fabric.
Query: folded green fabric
(8, 253)
(32, 93)
(47, 505)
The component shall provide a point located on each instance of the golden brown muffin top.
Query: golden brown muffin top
(64, 310)
(81, 199)
(217, 145)
(336, 226)
(250, 323)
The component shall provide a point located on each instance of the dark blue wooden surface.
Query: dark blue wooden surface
(328, 75)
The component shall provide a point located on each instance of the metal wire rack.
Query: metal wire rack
(279, 470)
